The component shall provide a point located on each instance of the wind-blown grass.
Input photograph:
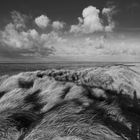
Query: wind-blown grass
(86, 104)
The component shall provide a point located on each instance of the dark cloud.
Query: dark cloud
(19, 20)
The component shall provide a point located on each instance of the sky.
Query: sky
(69, 30)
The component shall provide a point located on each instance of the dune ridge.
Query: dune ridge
(100, 103)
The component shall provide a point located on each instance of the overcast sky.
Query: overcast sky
(69, 30)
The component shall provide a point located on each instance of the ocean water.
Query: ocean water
(14, 68)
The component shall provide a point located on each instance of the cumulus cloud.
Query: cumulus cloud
(91, 21)
(42, 21)
(58, 25)
(24, 41)
(28, 42)
(21, 41)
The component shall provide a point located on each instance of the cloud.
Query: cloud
(42, 21)
(120, 47)
(91, 21)
(109, 12)
(58, 25)
(29, 42)
(100, 45)
(18, 19)
(97, 44)
(17, 40)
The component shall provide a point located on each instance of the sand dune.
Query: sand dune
(98, 103)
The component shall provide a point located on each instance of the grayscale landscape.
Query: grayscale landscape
(69, 70)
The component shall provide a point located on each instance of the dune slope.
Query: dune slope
(100, 103)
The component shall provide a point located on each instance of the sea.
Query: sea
(14, 68)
